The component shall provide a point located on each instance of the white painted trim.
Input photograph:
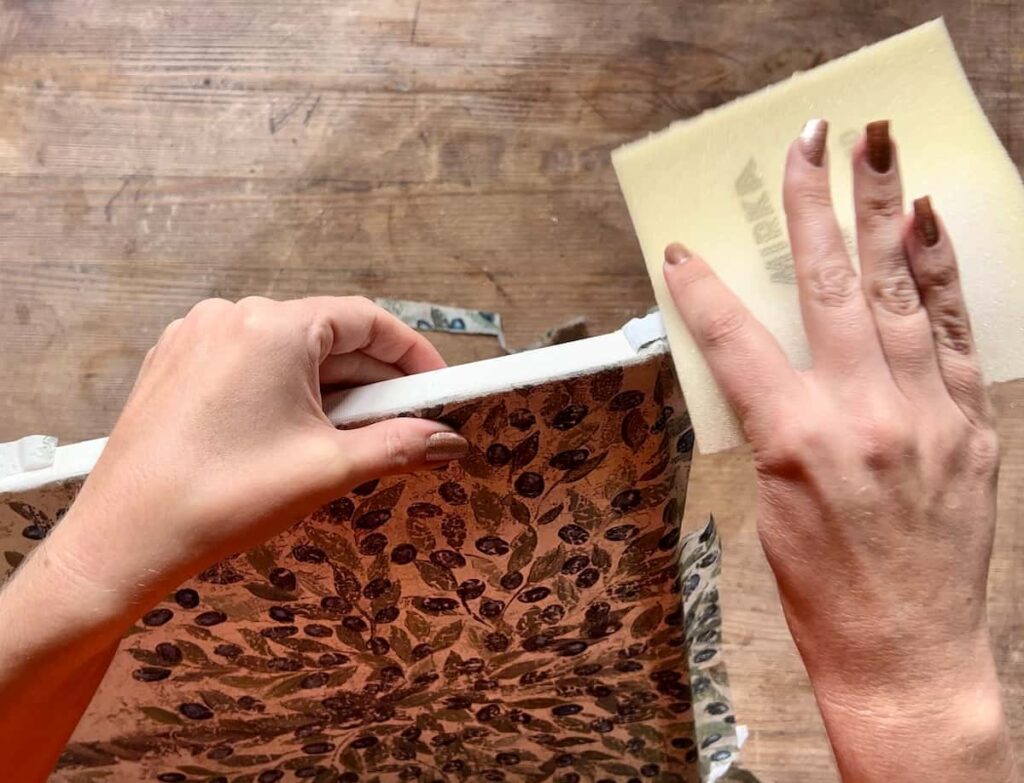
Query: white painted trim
(637, 340)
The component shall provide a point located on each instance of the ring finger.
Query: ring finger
(892, 294)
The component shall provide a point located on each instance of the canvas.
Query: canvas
(529, 613)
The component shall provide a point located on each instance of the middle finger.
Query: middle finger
(840, 330)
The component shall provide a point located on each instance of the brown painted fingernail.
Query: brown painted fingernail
(925, 226)
(676, 254)
(812, 141)
(879, 148)
(446, 446)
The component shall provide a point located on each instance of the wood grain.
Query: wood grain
(156, 153)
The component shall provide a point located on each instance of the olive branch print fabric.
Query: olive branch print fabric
(531, 613)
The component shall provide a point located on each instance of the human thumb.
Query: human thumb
(398, 445)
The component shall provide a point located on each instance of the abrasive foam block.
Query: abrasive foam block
(714, 183)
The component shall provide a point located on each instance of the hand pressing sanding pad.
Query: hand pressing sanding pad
(714, 183)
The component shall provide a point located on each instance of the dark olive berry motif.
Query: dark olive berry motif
(403, 554)
(372, 520)
(308, 554)
(490, 608)
(373, 544)
(529, 484)
(423, 510)
(438, 605)
(621, 532)
(471, 588)
(626, 400)
(169, 653)
(447, 558)
(627, 500)
(575, 564)
(187, 598)
(573, 534)
(498, 454)
(512, 581)
(195, 711)
(534, 594)
(522, 419)
(492, 545)
(412, 629)
(156, 617)
(209, 619)
(282, 578)
(453, 493)
(151, 674)
(566, 460)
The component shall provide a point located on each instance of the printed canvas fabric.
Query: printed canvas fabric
(528, 614)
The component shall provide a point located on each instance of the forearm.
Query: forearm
(57, 637)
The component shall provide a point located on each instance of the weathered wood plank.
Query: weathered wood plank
(155, 153)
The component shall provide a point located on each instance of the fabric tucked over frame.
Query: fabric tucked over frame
(531, 613)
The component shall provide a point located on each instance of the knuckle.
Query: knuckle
(790, 442)
(881, 206)
(897, 293)
(937, 276)
(983, 450)
(808, 199)
(171, 328)
(965, 381)
(721, 328)
(833, 285)
(209, 307)
(252, 302)
(785, 454)
(358, 300)
(951, 330)
(887, 441)
(398, 450)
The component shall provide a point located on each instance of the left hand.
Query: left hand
(224, 443)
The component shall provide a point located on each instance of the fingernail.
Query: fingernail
(676, 254)
(446, 446)
(879, 148)
(812, 141)
(925, 226)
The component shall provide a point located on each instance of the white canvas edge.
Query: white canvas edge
(634, 342)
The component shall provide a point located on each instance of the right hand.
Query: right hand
(876, 471)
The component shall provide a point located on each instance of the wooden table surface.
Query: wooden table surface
(157, 152)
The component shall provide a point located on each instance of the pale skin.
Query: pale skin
(876, 480)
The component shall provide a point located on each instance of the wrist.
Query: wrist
(943, 722)
(49, 611)
(120, 549)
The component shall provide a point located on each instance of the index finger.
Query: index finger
(745, 359)
(354, 323)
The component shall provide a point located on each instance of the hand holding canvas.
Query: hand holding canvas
(222, 444)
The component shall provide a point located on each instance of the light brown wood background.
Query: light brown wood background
(156, 152)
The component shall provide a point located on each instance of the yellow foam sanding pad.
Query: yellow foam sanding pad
(714, 182)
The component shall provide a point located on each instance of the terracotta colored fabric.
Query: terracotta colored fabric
(517, 616)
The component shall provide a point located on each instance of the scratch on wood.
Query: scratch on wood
(108, 209)
(415, 22)
(277, 121)
(494, 281)
(311, 111)
(390, 229)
